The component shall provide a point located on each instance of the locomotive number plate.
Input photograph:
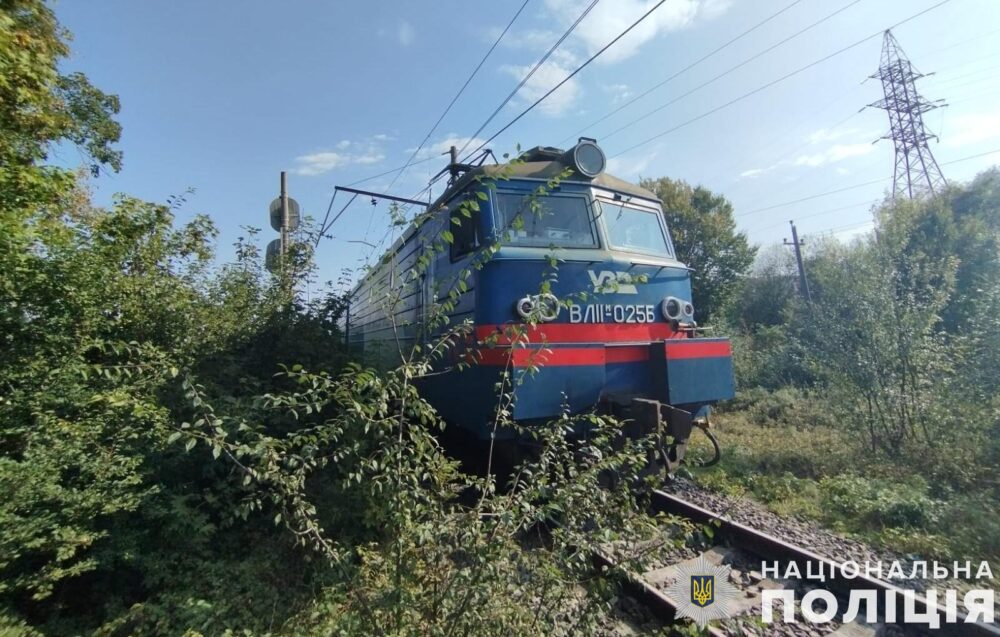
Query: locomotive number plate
(611, 313)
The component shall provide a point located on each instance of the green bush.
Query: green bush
(877, 503)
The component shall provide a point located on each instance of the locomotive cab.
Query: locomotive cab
(583, 304)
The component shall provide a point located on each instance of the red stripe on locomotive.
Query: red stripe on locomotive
(582, 332)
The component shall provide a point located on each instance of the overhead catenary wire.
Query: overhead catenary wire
(459, 94)
(392, 170)
(721, 75)
(389, 230)
(327, 223)
(324, 227)
(690, 66)
(778, 80)
(527, 76)
(568, 77)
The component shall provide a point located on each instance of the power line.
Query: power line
(525, 79)
(867, 202)
(683, 70)
(964, 64)
(570, 76)
(866, 183)
(730, 70)
(780, 79)
(969, 98)
(849, 226)
(808, 198)
(944, 85)
(797, 148)
(965, 41)
(459, 94)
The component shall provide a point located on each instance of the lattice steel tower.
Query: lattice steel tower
(916, 172)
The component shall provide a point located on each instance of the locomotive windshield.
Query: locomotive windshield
(554, 220)
(635, 230)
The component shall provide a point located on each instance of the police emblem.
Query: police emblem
(702, 591)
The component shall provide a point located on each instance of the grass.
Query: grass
(785, 452)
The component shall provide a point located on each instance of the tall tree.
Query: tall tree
(40, 106)
(705, 238)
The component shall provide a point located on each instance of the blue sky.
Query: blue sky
(222, 96)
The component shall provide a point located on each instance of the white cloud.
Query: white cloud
(619, 92)
(530, 39)
(348, 153)
(972, 128)
(823, 135)
(821, 156)
(630, 168)
(833, 154)
(849, 234)
(405, 33)
(713, 8)
(555, 69)
(757, 172)
(319, 163)
(608, 19)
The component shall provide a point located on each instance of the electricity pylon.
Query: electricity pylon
(916, 172)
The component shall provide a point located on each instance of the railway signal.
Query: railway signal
(285, 217)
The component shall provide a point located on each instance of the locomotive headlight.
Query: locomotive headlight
(547, 306)
(688, 310)
(671, 308)
(525, 307)
(587, 157)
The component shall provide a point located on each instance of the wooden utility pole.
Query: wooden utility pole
(453, 162)
(803, 281)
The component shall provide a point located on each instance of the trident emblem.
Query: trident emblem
(702, 590)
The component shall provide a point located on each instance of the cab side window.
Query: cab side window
(466, 230)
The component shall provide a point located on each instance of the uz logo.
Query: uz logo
(607, 281)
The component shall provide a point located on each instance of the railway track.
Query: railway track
(741, 547)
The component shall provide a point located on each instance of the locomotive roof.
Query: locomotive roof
(542, 170)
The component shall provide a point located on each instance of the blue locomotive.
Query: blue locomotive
(614, 328)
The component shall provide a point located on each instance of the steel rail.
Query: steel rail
(768, 546)
(635, 586)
